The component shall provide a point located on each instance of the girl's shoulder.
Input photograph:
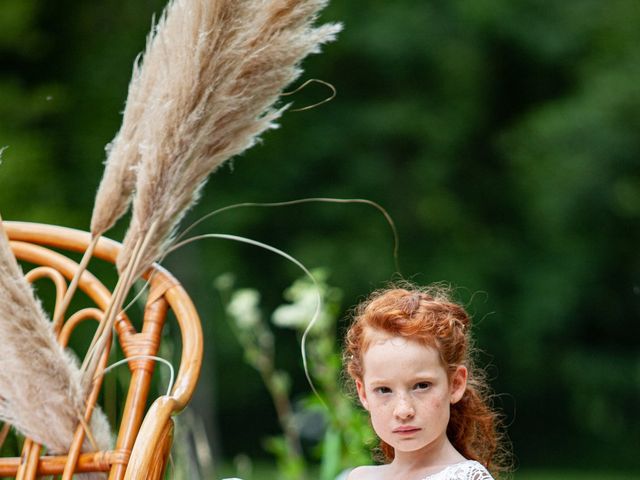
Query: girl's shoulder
(368, 472)
(467, 470)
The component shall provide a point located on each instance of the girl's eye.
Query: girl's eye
(382, 390)
(422, 385)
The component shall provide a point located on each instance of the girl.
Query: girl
(408, 352)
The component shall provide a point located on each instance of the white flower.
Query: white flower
(244, 309)
(298, 314)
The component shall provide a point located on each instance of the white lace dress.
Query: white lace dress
(467, 470)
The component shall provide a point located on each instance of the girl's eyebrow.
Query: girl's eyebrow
(378, 381)
(418, 377)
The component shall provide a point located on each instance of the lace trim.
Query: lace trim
(467, 470)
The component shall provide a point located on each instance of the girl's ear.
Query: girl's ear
(362, 394)
(458, 383)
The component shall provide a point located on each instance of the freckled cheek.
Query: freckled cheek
(440, 409)
(381, 412)
(382, 422)
(435, 404)
(380, 403)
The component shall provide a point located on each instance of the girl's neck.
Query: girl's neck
(426, 461)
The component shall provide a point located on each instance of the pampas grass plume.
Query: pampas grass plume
(118, 181)
(41, 391)
(221, 67)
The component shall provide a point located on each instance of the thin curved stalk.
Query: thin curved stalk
(316, 312)
(58, 317)
(377, 206)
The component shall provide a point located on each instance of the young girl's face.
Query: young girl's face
(408, 393)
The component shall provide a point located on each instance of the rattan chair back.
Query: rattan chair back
(144, 436)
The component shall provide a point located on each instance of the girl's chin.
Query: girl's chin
(407, 446)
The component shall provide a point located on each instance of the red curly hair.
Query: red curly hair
(429, 316)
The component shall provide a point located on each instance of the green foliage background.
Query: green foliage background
(502, 136)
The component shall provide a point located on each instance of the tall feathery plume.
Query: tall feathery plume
(118, 180)
(41, 388)
(123, 153)
(218, 68)
(221, 67)
(116, 187)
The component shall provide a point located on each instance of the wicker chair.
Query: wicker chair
(144, 438)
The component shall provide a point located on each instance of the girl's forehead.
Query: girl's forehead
(397, 357)
(382, 346)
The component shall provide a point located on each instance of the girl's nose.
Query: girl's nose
(404, 408)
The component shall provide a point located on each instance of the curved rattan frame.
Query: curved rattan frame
(143, 439)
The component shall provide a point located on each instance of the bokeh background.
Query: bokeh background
(503, 137)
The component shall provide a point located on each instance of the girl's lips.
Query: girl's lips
(406, 430)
